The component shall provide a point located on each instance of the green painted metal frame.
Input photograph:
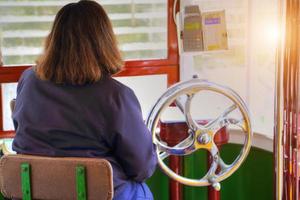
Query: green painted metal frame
(254, 179)
(80, 182)
(26, 184)
(25, 179)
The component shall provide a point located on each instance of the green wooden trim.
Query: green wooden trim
(80, 183)
(1, 196)
(25, 179)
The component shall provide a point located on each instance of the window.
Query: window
(140, 26)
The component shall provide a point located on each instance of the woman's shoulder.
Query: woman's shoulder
(28, 74)
(117, 86)
(26, 79)
(120, 97)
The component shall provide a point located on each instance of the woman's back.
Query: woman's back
(101, 119)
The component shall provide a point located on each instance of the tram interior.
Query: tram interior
(240, 52)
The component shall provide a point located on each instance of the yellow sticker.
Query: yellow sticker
(192, 26)
(213, 47)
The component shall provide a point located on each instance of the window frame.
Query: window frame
(168, 66)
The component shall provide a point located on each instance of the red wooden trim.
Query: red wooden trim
(1, 108)
(7, 134)
(11, 74)
(171, 71)
(173, 57)
(171, 60)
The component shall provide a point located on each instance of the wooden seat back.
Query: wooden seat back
(55, 177)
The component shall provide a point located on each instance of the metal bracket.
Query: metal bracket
(25, 179)
(80, 183)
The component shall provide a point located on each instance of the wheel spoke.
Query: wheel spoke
(163, 155)
(184, 104)
(180, 102)
(228, 110)
(223, 166)
(185, 147)
(222, 116)
(239, 123)
(221, 121)
(214, 160)
(228, 121)
(217, 161)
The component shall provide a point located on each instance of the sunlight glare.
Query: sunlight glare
(271, 34)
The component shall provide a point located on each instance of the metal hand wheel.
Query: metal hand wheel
(200, 136)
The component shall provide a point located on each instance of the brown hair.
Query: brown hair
(80, 47)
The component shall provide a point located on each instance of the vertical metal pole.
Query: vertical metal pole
(278, 110)
(287, 142)
(167, 131)
(175, 189)
(1, 86)
(295, 136)
(1, 107)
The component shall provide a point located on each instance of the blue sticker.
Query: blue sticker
(213, 20)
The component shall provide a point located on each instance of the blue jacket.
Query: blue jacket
(95, 120)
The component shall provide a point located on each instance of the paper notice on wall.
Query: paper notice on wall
(214, 30)
(192, 30)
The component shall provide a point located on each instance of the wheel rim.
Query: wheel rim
(200, 137)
